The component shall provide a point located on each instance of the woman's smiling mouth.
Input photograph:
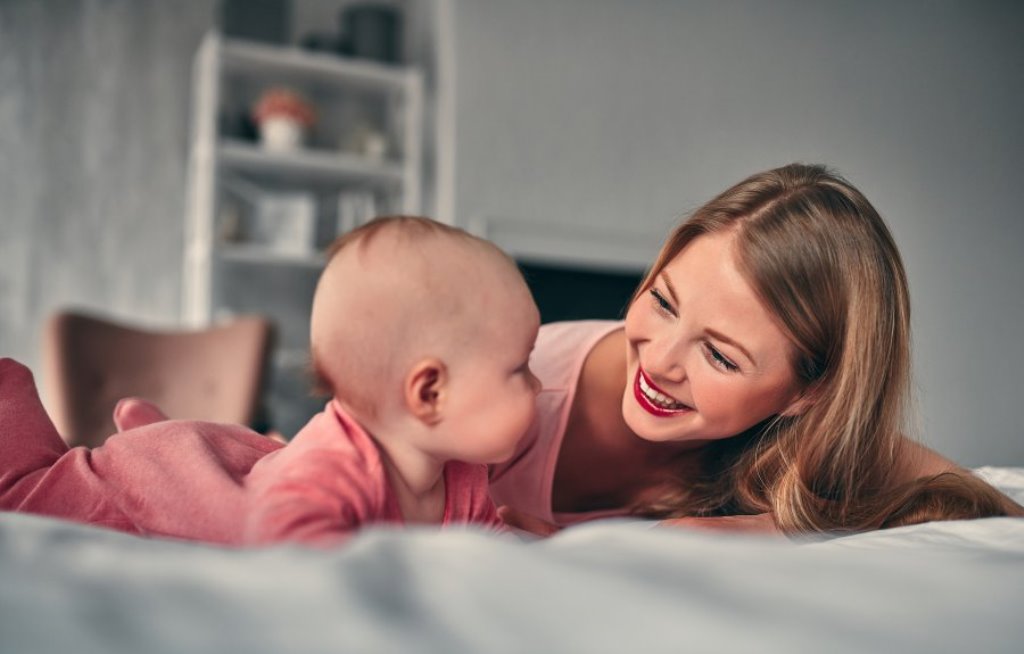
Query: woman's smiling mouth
(653, 400)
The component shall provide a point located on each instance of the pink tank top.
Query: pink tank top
(524, 482)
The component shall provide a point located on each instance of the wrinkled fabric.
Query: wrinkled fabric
(191, 479)
(330, 481)
(606, 586)
(174, 478)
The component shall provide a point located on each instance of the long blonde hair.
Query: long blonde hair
(825, 265)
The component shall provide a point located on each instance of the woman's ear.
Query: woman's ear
(424, 389)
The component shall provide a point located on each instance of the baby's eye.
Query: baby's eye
(719, 360)
(661, 302)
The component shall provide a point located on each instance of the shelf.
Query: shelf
(261, 255)
(261, 60)
(228, 74)
(306, 167)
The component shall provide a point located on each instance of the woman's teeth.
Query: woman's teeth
(657, 398)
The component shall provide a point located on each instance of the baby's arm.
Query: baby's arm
(312, 497)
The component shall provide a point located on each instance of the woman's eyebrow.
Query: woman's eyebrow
(671, 289)
(725, 339)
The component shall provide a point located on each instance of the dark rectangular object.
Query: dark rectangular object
(569, 293)
(372, 31)
(269, 21)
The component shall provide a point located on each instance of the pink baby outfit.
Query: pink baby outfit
(173, 478)
(330, 481)
(525, 481)
(191, 480)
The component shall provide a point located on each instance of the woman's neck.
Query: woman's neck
(602, 464)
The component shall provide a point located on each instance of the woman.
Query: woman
(763, 370)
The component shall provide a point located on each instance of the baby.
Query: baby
(422, 334)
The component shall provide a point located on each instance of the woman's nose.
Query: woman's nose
(666, 360)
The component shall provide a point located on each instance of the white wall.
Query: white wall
(614, 117)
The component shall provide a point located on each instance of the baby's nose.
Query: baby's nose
(535, 383)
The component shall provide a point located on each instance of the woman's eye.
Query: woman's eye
(719, 360)
(662, 303)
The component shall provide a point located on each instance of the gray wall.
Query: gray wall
(573, 115)
(94, 100)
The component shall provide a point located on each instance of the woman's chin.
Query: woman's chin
(654, 428)
(677, 428)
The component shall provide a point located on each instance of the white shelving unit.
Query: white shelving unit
(308, 167)
(224, 66)
(225, 272)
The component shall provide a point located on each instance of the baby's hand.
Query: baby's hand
(132, 412)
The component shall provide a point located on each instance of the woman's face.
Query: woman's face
(705, 359)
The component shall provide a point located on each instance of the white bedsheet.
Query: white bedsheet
(613, 586)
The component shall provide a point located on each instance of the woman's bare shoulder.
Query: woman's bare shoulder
(919, 462)
(916, 461)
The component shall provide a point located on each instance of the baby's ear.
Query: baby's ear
(424, 389)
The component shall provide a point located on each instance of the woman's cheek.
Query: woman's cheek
(709, 394)
(636, 321)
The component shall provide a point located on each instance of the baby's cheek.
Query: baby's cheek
(527, 414)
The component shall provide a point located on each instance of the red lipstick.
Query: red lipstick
(646, 404)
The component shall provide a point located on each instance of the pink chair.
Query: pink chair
(91, 362)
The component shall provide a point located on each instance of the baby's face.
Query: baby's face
(491, 398)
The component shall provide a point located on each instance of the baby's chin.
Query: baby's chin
(493, 457)
(498, 459)
(504, 457)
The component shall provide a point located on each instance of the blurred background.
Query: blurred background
(152, 170)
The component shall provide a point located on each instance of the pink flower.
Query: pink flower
(282, 102)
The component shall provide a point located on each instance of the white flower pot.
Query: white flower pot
(281, 133)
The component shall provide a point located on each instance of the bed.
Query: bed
(606, 586)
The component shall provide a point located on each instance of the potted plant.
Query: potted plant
(283, 116)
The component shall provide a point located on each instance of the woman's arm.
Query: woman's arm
(762, 523)
(518, 520)
(747, 524)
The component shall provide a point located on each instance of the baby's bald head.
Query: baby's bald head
(399, 289)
